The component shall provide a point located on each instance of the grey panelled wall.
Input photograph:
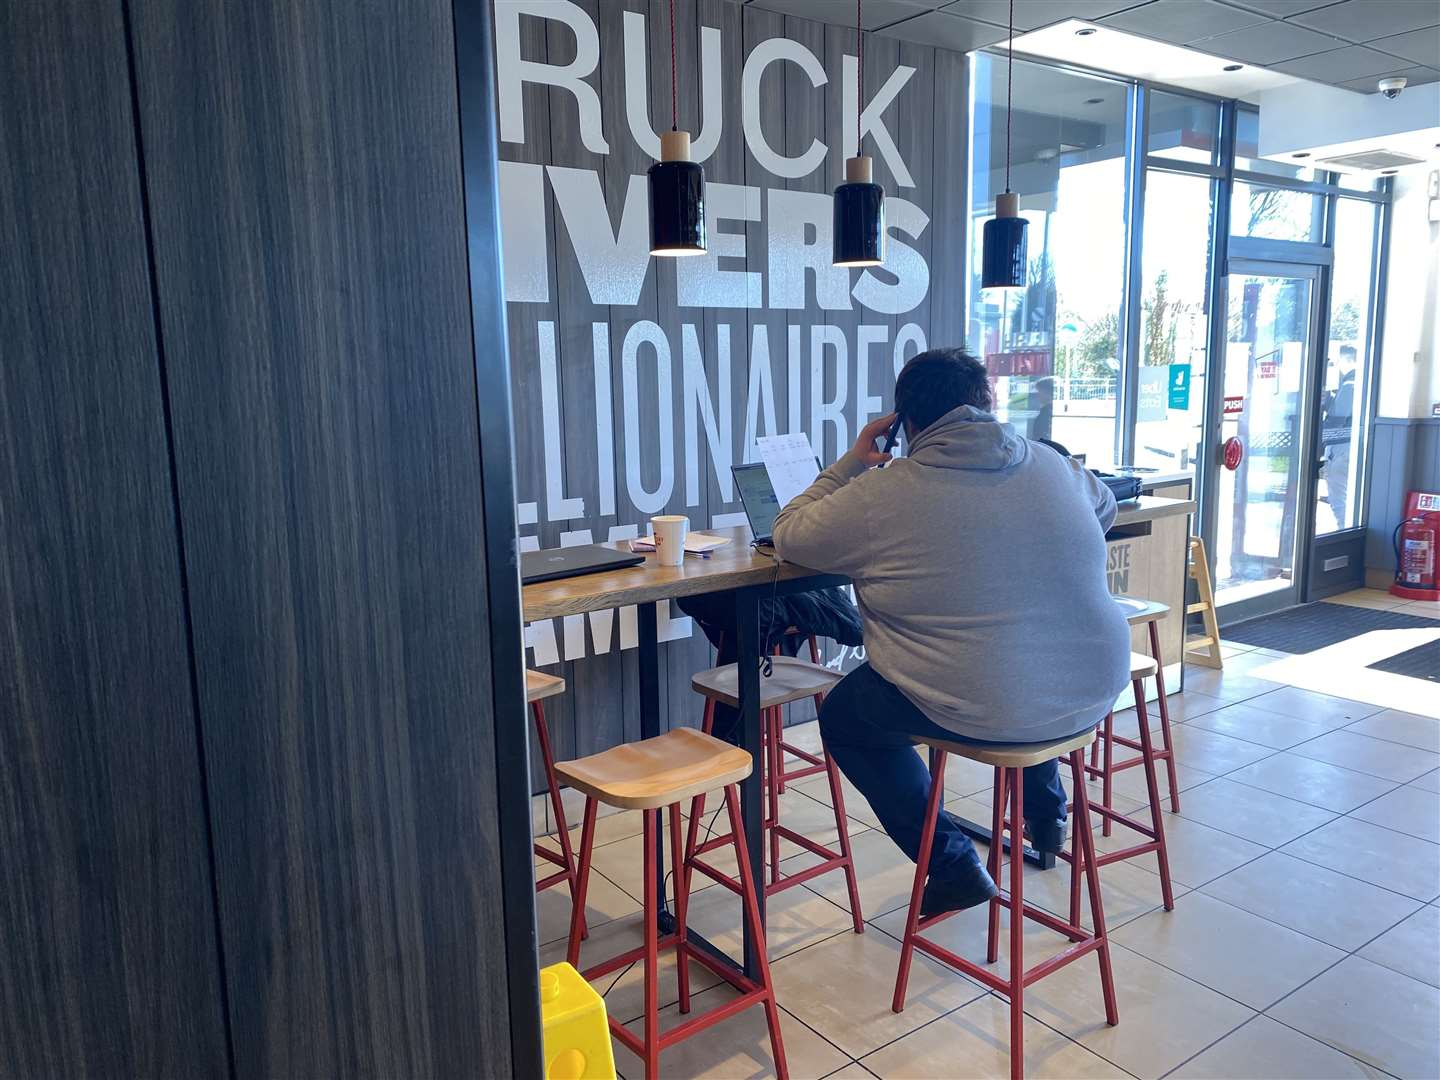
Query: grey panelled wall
(106, 916)
(594, 438)
(1405, 456)
(304, 178)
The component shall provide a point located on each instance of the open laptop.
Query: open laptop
(549, 564)
(757, 495)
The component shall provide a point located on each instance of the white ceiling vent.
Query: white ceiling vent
(1370, 160)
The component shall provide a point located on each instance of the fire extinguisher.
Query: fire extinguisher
(1415, 542)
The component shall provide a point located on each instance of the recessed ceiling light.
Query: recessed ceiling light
(1085, 31)
(1094, 100)
(1301, 154)
(1233, 67)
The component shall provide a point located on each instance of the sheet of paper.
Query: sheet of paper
(790, 461)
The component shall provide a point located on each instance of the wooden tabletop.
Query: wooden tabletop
(1150, 507)
(733, 566)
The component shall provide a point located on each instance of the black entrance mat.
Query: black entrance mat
(1313, 626)
(1419, 663)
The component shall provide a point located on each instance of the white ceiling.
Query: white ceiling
(1346, 43)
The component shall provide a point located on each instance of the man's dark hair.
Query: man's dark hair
(935, 382)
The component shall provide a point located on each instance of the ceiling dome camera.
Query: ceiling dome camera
(1391, 87)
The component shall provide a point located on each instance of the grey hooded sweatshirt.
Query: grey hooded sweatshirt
(979, 566)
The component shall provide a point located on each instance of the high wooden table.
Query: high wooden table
(738, 568)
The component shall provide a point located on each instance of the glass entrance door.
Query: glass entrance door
(1267, 378)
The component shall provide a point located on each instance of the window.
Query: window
(1183, 128)
(1053, 348)
(1276, 213)
(1346, 380)
(1174, 320)
(1247, 150)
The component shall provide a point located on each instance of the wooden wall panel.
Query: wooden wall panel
(110, 962)
(310, 250)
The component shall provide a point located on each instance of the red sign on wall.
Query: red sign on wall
(1234, 406)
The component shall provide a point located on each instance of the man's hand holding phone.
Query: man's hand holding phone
(865, 448)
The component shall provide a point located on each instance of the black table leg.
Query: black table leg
(747, 622)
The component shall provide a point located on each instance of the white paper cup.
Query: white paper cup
(670, 531)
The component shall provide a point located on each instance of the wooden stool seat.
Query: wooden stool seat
(657, 772)
(791, 679)
(538, 686)
(1140, 612)
(1013, 755)
(1142, 666)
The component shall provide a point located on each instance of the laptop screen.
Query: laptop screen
(758, 496)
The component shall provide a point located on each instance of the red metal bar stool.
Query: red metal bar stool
(654, 775)
(539, 686)
(1147, 613)
(1010, 762)
(790, 680)
(1141, 668)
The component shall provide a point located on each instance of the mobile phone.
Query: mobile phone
(893, 434)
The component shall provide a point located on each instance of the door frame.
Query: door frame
(1269, 258)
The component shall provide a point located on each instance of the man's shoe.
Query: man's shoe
(1047, 837)
(972, 887)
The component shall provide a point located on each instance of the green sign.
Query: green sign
(1179, 386)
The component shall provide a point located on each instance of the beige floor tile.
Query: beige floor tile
(1197, 852)
(842, 988)
(965, 934)
(624, 991)
(539, 810)
(1229, 685)
(737, 1049)
(1430, 781)
(1192, 703)
(1227, 649)
(1339, 910)
(1428, 608)
(1315, 782)
(884, 875)
(1131, 782)
(1411, 948)
(853, 1071)
(1371, 598)
(1308, 705)
(1407, 809)
(604, 901)
(1211, 752)
(1372, 1013)
(975, 1042)
(1377, 757)
(1258, 816)
(966, 777)
(1249, 723)
(1381, 856)
(623, 862)
(1401, 727)
(1245, 957)
(1127, 890)
(1165, 1018)
(806, 736)
(794, 918)
(856, 808)
(1266, 1050)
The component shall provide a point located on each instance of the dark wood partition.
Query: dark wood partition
(110, 963)
(305, 181)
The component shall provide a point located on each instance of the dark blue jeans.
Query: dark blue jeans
(867, 726)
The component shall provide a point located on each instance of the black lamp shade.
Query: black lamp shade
(677, 208)
(858, 233)
(1002, 262)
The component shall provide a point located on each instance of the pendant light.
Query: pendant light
(1003, 259)
(677, 184)
(858, 227)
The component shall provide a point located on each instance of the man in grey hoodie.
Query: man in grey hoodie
(979, 566)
